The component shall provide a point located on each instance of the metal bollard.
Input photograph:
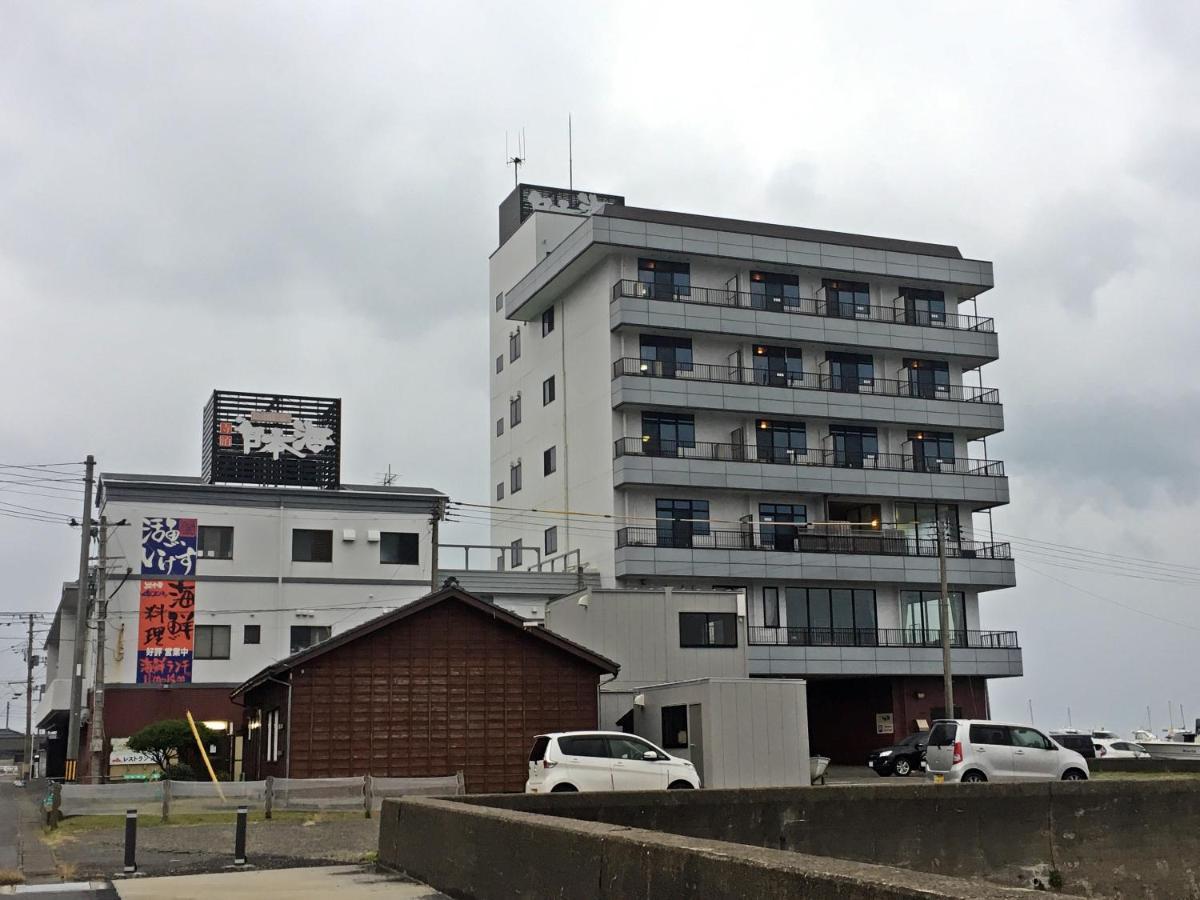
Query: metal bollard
(239, 840)
(130, 841)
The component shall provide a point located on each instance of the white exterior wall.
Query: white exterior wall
(252, 588)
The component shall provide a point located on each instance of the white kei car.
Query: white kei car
(974, 750)
(1107, 748)
(604, 761)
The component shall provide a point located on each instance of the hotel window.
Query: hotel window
(304, 636)
(707, 629)
(778, 366)
(930, 449)
(928, 378)
(924, 307)
(399, 548)
(679, 521)
(781, 442)
(847, 299)
(850, 372)
(921, 617)
(665, 356)
(663, 280)
(854, 446)
(514, 478)
(514, 346)
(550, 461)
(551, 538)
(773, 291)
(664, 433)
(211, 642)
(215, 542)
(514, 411)
(919, 520)
(309, 545)
(778, 525)
(547, 321)
(548, 391)
(831, 616)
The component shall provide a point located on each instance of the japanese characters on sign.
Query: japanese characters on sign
(168, 546)
(166, 632)
(299, 437)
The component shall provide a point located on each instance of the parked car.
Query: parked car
(1074, 740)
(900, 759)
(1119, 749)
(604, 761)
(975, 750)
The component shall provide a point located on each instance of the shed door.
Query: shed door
(696, 741)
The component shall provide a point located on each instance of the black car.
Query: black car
(1080, 743)
(902, 758)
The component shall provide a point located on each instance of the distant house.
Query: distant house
(447, 683)
(12, 747)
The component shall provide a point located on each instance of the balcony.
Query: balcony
(741, 467)
(976, 410)
(809, 552)
(885, 651)
(891, 327)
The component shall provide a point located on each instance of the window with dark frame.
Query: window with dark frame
(924, 307)
(708, 629)
(252, 634)
(551, 540)
(928, 379)
(831, 617)
(664, 433)
(516, 552)
(774, 291)
(847, 299)
(678, 521)
(851, 373)
(304, 636)
(514, 346)
(547, 320)
(665, 356)
(499, 363)
(399, 548)
(215, 542)
(664, 279)
(514, 477)
(499, 490)
(500, 426)
(211, 642)
(770, 600)
(930, 449)
(548, 391)
(514, 411)
(312, 545)
(550, 461)
(675, 727)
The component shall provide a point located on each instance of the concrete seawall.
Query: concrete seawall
(1107, 838)
(473, 851)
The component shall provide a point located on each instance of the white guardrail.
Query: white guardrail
(365, 793)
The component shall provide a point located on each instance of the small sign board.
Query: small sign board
(884, 723)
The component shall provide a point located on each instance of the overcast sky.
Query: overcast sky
(301, 197)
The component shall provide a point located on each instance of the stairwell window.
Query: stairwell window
(499, 490)
(551, 538)
(514, 478)
(500, 426)
(514, 346)
(550, 461)
(547, 321)
(514, 411)
(548, 391)
(499, 363)
(515, 553)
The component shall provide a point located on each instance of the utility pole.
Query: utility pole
(97, 729)
(28, 704)
(81, 620)
(944, 605)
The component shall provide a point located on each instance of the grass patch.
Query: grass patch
(11, 876)
(1144, 776)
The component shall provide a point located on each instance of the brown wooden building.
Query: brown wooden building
(447, 683)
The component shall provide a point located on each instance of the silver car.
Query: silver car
(976, 750)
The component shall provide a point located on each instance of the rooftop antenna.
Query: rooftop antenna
(570, 156)
(517, 160)
(388, 478)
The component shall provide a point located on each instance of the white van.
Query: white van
(975, 750)
(604, 761)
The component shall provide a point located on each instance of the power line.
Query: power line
(1125, 606)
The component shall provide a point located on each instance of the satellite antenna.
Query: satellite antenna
(518, 159)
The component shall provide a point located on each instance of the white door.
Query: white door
(585, 762)
(1035, 757)
(630, 771)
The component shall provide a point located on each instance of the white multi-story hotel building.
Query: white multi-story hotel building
(707, 402)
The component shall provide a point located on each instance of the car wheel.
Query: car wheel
(974, 777)
(564, 789)
(903, 767)
(1074, 775)
(679, 786)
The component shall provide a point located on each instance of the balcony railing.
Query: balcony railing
(804, 381)
(789, 538)
(886, 462)
(879, 637)
(803, 306)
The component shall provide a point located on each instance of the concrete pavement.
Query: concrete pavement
(313, 883)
